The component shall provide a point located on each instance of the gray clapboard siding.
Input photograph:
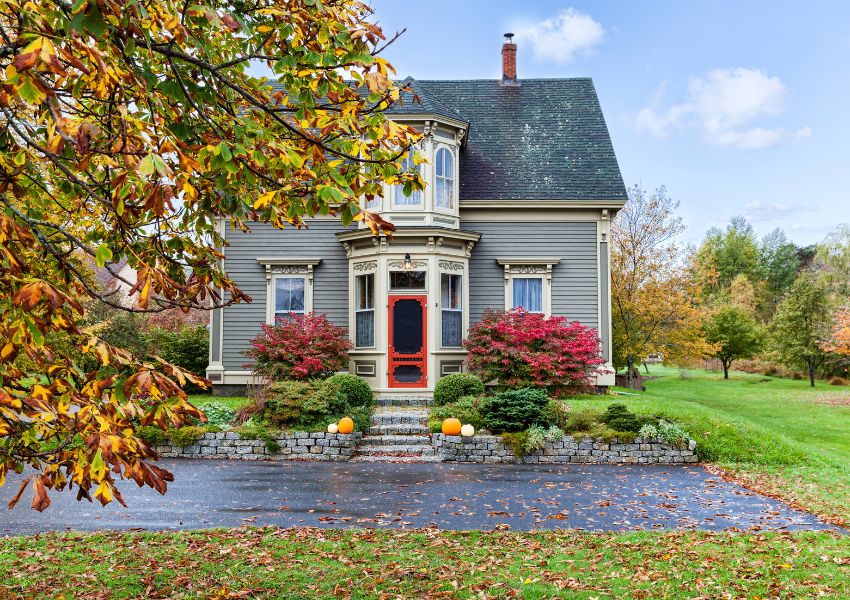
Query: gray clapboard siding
(575, 290)
(330, 278)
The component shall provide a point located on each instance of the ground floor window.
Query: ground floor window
(289, 296)
(365, 311)
(451, 307)
(528, 293)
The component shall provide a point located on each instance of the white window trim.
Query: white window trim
(529, 268)
(290, 268)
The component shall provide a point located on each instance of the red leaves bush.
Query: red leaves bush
(522, 349)
(302, 347)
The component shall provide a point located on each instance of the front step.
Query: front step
(404, 401)
(396, 440)
(399, 433)
(399, 429)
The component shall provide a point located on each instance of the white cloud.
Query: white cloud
(725, 106)
(759, 212)
(560, 37)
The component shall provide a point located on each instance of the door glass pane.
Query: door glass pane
(528, 294)
(407, 280)
(407, 327)
(407, 373)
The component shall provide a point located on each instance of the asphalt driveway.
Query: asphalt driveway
(210, 493)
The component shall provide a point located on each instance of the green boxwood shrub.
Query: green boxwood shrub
(452, 387)
(186, 436)
(362, 417)
(355, 391)
(218, 414)
(467, 409)
(514, 410)
(152, 435)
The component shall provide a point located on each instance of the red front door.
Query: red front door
(408, 326)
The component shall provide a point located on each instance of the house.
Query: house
(522, 184)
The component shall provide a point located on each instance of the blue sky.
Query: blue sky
(739, 108)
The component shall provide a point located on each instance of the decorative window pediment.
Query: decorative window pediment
(528, 283)
(289, 286)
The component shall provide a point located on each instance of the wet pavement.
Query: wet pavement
(210, 493)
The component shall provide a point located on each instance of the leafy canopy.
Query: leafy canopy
(653, 294)
(735, 334)
(137, 131)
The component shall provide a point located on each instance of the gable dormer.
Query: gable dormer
(444, 133)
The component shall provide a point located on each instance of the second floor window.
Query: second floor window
(444, 183)
(414, 200)
(451, 303)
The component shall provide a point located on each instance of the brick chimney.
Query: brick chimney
(509, 59)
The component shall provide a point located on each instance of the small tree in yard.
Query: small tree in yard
(839, 342)
(734, 334)
(522, 349)
(301, 347)
(801, 325)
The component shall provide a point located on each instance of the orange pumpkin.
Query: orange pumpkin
(346, 425)
(451, 427)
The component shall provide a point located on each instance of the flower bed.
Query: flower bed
(492, 449)
(299, 445)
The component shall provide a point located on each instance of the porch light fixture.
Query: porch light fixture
(407, 265)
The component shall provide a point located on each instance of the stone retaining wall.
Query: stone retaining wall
(491, 449)
(299, 445)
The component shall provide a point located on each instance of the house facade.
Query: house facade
(522, 184)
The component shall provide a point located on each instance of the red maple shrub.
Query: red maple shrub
(521, 349)
(302, 347)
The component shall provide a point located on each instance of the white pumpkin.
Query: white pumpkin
(333, 428)
(467, 430)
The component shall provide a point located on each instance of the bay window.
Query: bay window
(444, 183)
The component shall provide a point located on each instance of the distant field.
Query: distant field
(781, 434)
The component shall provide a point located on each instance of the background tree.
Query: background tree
(832, 262)
(778, 264)
(801, 325)
(652, 289)
(127, 131)
(735, 334)
(839, 341)
(728, 253)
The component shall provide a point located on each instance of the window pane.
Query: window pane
(452, 328)
(365, 328)
(415, 197)
(450, 293)
(289, 294)
(365, 292)
(407, 280)
(528, 294)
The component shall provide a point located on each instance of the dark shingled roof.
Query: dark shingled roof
(544, 139)
(419, 101)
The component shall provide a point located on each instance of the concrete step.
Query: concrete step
(400, 418)
(399, 429)
(406, 449)
(396, 458)
(404, 401)
(395, 440)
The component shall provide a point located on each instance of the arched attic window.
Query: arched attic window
(444, 184)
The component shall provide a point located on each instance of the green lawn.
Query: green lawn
(778, 435)
(309, 563)
(234, 402)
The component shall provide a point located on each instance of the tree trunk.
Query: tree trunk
(630, 365)
(725, 368)
(812, 375)
(646, 366)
